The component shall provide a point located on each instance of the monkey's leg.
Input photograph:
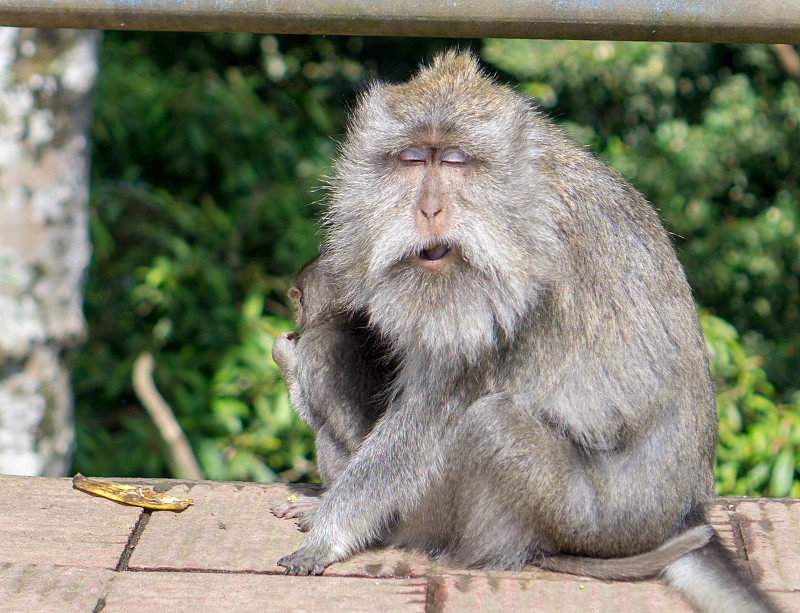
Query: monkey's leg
(518, 489)
(509, 484)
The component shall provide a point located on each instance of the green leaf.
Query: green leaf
(783, 471)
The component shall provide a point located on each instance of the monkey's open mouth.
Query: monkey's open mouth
(434, 255)
(434, 251)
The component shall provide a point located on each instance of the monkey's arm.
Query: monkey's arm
(284, 353)
(599, 402)
(360, 505)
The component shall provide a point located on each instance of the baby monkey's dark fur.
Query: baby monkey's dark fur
(337, 374)
(551, 395)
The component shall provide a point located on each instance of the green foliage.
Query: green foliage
(258, 432)
(758, 449)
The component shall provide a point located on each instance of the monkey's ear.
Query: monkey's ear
(296, 296)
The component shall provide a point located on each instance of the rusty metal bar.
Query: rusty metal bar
(744, 21)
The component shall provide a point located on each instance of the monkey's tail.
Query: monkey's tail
(641, 566)
(711, 581)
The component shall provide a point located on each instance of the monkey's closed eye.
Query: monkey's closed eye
(413, 154)
(454, 156)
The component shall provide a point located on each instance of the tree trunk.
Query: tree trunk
(46, 77)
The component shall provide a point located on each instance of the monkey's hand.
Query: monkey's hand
(283, 352)
(308, 560)
(315, 554)
(296, 508)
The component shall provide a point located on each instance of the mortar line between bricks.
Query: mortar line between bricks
(278, 573)
(208, 571)
(431, 592)
(101, 604)
(738, 536)
(133, 540)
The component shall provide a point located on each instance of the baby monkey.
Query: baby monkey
(338, 377)
(336, 374)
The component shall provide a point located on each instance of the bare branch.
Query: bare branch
(183, 459)
(789, 60)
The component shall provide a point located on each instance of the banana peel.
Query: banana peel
(130, 494)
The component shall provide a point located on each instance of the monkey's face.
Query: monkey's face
(432, 225)
(296, 296)
(433, 174)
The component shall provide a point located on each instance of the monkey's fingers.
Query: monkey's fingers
(298, 563)
(130, 494)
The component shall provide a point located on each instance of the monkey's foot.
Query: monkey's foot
(303, 563)
(295, 508)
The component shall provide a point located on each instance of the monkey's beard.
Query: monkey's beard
(445, 315)
(447, 318)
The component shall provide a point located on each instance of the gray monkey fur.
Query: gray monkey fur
(552, 383)
(338, 388)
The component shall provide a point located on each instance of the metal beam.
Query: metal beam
(743, 21)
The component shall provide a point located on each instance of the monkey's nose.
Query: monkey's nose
(432, 219)
(431, 211)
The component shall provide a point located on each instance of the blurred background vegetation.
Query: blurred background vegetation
(207, 157)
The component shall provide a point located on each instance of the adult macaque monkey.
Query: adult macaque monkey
(552, 395)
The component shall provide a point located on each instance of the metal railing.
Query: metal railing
(744, 21)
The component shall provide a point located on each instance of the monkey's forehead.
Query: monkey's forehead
(451, 103)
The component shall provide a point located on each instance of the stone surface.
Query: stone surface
(65, 550)
(45, 521)
(32, 588)
(771, 535)
(500, 592)
(158, 592)
(228, 527)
